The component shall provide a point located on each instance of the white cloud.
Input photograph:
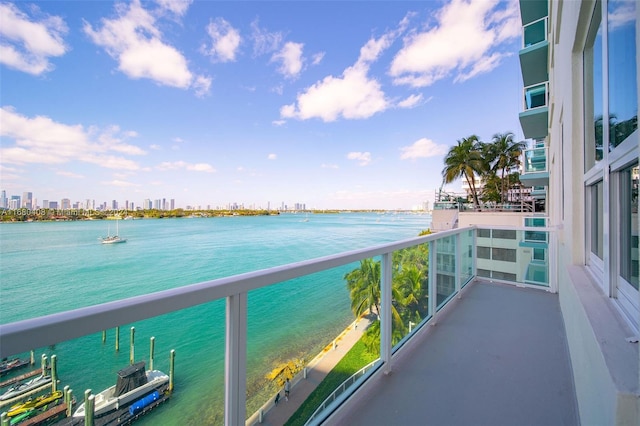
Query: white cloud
(353, 95)
(179, 7)
(410, 101)
(621, 13)
(182, 165)
(317, 58)
(329, 166)
(264, 42)
(291, 59)
(422, 148)
(463, 43)
(42, 140)
(279, 122)
(26, 44)
(136, 43)
(225, 41)
(363, 158)
(272, 157)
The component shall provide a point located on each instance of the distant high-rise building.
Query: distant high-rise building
(147, 204)
(114, 205)
(14, 202)
(53, 205)
(65, 203)
(45, 204)
(27, 200)
(4, 202)
(173, 204)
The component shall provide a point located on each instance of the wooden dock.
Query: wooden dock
(121, 416)
(16, 379)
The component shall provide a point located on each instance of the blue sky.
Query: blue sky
(348, 105)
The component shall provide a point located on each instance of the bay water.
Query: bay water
(49, 267)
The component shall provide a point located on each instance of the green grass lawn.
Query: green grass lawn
(353, 361)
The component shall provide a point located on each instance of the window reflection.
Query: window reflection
(597, 219)
(593, 91)
(623, 94)
(629, 226)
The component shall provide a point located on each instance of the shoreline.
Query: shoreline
(308, 379)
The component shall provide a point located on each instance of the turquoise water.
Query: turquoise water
(48, 267)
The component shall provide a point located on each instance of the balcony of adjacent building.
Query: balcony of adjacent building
(534, 52)
(535, 115)
(535, 170)
(497, 355)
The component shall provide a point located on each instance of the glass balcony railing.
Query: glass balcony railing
(536, 96)
(535, 160)
(407, 294)
(534, 33)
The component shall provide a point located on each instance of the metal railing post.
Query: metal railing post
(433, 287)
(386, 317)
(458, 260)
(235, 372)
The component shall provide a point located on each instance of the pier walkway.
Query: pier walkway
(301, 388)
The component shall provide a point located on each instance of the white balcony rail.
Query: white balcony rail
(535, 32)
(23, 336)
(534, 160)
(340, 390)
(536, 96)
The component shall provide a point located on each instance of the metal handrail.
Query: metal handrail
(340, 390)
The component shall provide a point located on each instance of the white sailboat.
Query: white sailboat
(113, 239)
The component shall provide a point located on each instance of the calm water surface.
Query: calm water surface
(48, 267)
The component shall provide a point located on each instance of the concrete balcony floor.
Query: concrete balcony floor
(497, 356)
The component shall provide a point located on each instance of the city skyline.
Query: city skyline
(344, 105)
(28, 202)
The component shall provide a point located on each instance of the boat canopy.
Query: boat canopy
(130, 377)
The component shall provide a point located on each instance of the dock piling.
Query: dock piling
(69, 400)
(33, 357)
(132, 357)
(118, 339)
(172, 359)
(43, 362)
(104, 336)
(54, 373)
(88, 412)
(151, 352)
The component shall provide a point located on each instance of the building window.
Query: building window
(628, 257)
(596, 219)
(503, 254)
(504, 234)
(623, 89)
(593, 112)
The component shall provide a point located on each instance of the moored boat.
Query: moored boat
(33, 404)
(12, 364)
(24, 387)
(133, 383)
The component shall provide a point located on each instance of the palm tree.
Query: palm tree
(364, 287)
(464, 160)
(505, 155)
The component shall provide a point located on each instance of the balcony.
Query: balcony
(535, 116)
(460, 259)
(535, 171)
(534, 53)
(532, 10)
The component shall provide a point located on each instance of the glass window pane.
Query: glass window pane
(629, 226)
(593, 91)
(596, 219)
(623, 93)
